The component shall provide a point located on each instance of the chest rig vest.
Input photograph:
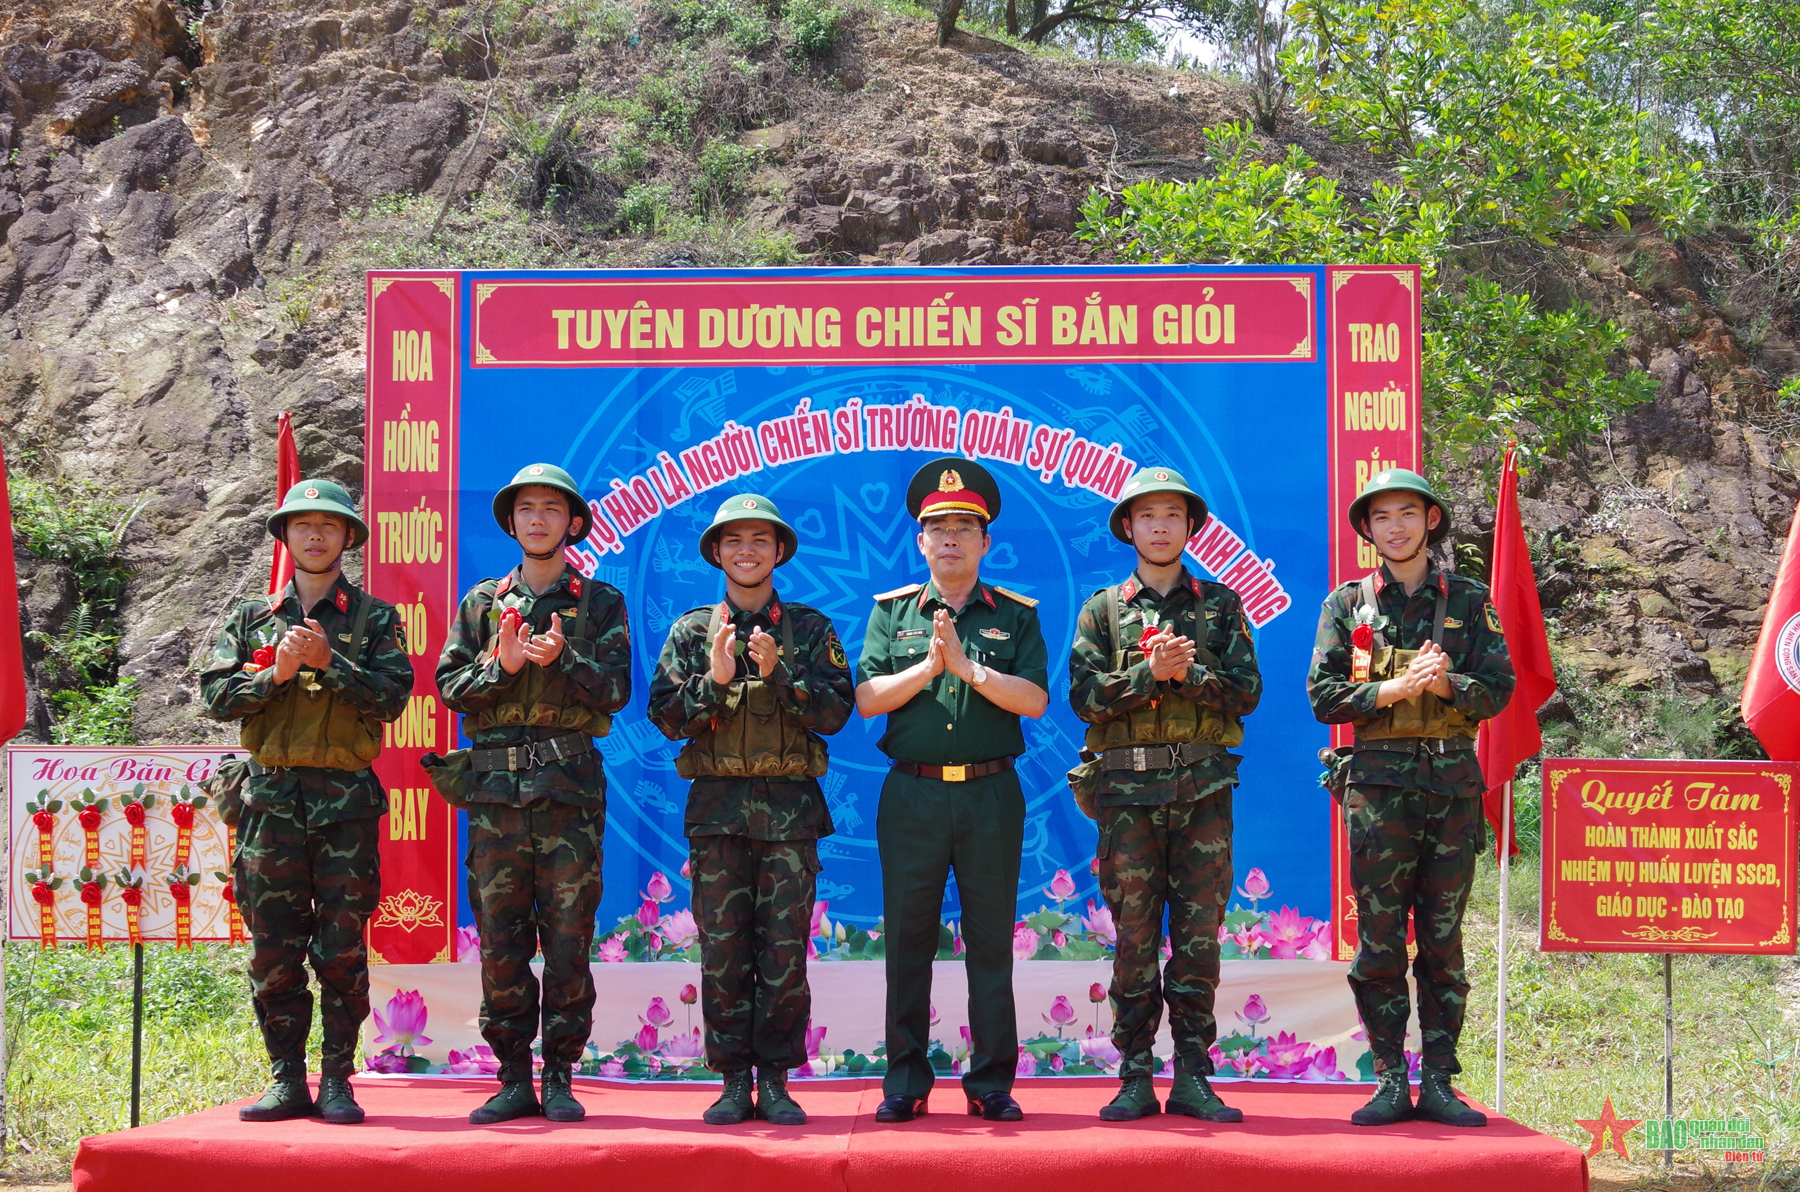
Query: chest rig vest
(1171, 719)
(1424, 715)
(541, 697)
(754, 737)
(307, 724)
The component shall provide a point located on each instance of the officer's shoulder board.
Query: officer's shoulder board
(908, 590)
(1027, 601)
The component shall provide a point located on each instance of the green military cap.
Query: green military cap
(953, 485)
(1397, 480)
(749, 507)
(548, 476)
(319, 496)
(1154, 480)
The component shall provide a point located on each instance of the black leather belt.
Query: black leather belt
(1418, 745)
(956, 773)
(1142, 758)
(532, 754)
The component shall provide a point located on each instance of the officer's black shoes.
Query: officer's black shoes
(1192, 1097)
(560, 1104)
(773, 1105)
(901, 1107)
(336, 1104)
(287, 1098)
(734, 1104)
(1439, 1103)
(514, 1100)
(1136, 1099)
(1391, 1103)
(996, 1107)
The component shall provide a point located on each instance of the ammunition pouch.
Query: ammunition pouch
(754, 737)
(1084, 784)
(1336, 778)
(451, 775)
(226, 787)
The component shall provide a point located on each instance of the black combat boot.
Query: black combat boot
(336, 1103)
(1438, 1102)
(1137, 1092)
(773, 1104)
(288, 1096)
(1391, 1103)
(734, 1104)
(1193, 1097)
(560, 1104)
(516, 1099)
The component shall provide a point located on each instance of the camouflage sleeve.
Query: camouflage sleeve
(469, 676)
(1096, 691)
(1032, 659)
(226, 688)
(1335, 699)
(877, 637)
(1481, 691)
(683, 696)
(1231, 683)
(599, 667)
(380, 688)
(818, 692)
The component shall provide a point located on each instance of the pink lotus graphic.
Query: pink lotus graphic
(612, 950)
(1256, 887)
(1061, 887)
(1100, 1049)
(646, 1038)
(1061, 1014)
(1025, 941)
(656, 1014)
(680, 928)
(1027, 1064)
(683, 1049)
(468, 946)
(477, 1061)
(658, 889)
(404, 1027)
(649, 914)
(815, 1038)
(1254, 1013)
(1098, 923)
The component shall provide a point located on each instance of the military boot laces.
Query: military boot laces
(1193, 1097)
(336, 1103)
(288, 1097)
(1391, 1103)
(734, 1104)
(514, 1100)
(560, 1104)
(1438, 1102)
(773, 1104)
(1136, 1099)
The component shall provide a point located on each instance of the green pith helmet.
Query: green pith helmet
(319, 496)
(548, 476)
(749, 507)
(1154, 480)
(1397, 480)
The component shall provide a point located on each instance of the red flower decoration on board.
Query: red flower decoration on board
(134, 814)
(182, 814)
(90, 818)
(227, 893)
(45, 821)
(43, 893)
(91, 893)
(179, 891)
(131, 896)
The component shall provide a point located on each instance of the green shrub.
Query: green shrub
(644, 208)
(813, 25)
(725, 169)
(99, 715)
(668, 105)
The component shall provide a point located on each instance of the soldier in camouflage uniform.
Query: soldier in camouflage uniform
(1414, 658)
(313, 673)
(537, 661)
(751, 684)
(1162, 670)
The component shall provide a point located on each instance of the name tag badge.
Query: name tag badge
(903, 634)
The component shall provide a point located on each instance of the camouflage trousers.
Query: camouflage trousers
(1175, 857)
(305, 894)
(753, 902)
(1412, 853)
(534, 882)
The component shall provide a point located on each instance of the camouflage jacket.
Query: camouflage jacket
(377, 683)
(813, 687)
(595, 670)
(1099, 693)
(1481, 678)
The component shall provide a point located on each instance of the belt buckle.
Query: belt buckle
(955, 773)
(512, 756)
(1138, 761)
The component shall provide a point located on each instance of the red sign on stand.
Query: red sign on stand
(1668, 856)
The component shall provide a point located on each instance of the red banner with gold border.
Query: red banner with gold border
(1372, 407)
(1668, 856)
(410, 560)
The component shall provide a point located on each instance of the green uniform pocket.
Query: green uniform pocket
(452, 775)
(226, 787)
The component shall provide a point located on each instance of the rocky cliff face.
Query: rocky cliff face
(180, 207)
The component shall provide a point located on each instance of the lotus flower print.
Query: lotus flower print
(1100, 1049)
(689, 995)
(403, 1028)
(1096, 993)
(657, 1014)
(477, 1061)
(1061, 1013)
(658, 889)
(1061, 887)
(1025, 941)
(1256, 886)
(468, 946)
(612, 950)
(1098, 922)
(680, 928)
(1254, 1012)
(649, 914)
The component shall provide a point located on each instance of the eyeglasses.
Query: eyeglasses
(943, 533)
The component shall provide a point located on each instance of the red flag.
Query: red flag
(1771, 701)
(287, 475)
(1513, 736)
(12, 650)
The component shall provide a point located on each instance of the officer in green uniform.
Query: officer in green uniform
(1414, 658)
(954, 663)
(537, 661)
(1163, 669)
(751, 683)
(312, 673)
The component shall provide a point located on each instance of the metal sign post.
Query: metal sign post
(137, 1030)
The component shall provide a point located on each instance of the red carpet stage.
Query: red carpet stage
(417, 1138)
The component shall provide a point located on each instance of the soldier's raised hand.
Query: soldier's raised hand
(511, 643)
(1169, 654)
(724, 661)
(1439, 662)
(545, 648)
(762, 652)
(316, 652)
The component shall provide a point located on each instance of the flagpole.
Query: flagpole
(1505, 908)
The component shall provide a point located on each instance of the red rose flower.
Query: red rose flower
(227, 893)
(131, 896)
(90, 818)
(43, 893)
(179, 891)
(264, 656)
(44, 821)
(134, 814)
(182, 814)
(510, 621)
(1363, 637)
(91, 893)
(1149, 632)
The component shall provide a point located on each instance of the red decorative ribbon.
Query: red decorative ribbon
(183, 815)
(46, 900)
(46, 827)
(184, 914)
(134, 900)
(92, 893)
(134, 815)
(237, 916)
(90, 827)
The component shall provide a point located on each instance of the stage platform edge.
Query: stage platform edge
(417, 1139)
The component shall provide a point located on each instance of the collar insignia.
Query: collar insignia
(343, 601)
(575, 586)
